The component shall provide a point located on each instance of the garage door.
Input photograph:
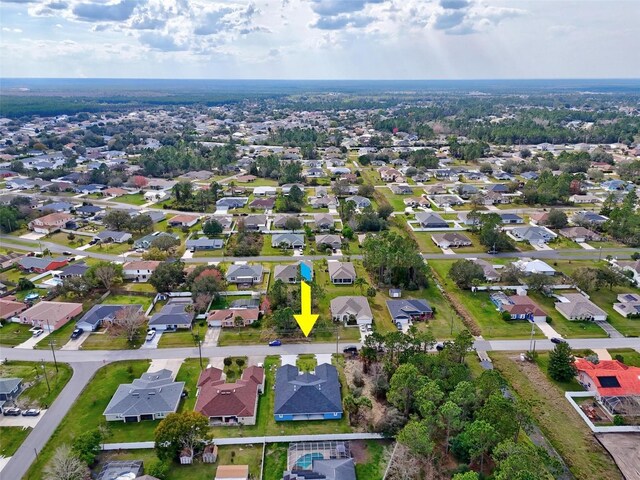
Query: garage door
(130, 419)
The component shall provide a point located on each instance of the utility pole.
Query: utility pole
(44, 369)
(196, 338)
(51, 344)
(337, 340)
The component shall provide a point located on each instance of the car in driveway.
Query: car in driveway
(31, 412)
(11, 412)
(37, 332)
(399, 326)
(275, 343)
(76, 333)
(558, 340)
(151, 334)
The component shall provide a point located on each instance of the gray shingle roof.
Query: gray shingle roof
(8, 385)
(151, 393)
(406, 309)
(98, 313)
(307, 393)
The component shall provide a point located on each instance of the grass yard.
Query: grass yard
(182, 337)
(13, 275)
(12, 334)
(209, 253)
(61, 239)
(132, 199)
(233, 371)
(306, 362)
(275, 461)
(567, 328)
(629, 356)
(374, 467)
(129, 300)
(86, 413)
(543, 364)
(103, 340)
(189, 373)
(561, 424)
(60, 336)
(32, 373)
(269, 251)
(111, 248)
(11, 438)
(20, 296)
(139, 287)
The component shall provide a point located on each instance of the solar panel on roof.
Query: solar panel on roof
(609, 382)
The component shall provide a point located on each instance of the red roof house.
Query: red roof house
(230, 403)
(616, 385)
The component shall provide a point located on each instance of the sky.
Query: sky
(320, 39)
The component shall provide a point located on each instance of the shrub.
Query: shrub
(240, 362)
(228, 362)
(358, 381)
(618, 420)
(157, 469)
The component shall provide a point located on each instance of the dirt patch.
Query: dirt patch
(369, 418)
(359, 451)
(625, 450)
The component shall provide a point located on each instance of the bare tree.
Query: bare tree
(127, 323)
(201, 301)
(108, 274)
(65, 465)
(403, 465)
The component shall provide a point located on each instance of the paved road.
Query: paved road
(564, 254)
(21, 460)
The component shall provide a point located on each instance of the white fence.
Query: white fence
(595, 429)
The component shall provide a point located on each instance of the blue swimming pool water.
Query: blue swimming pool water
(306, 461)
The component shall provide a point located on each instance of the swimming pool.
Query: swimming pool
(306, 461)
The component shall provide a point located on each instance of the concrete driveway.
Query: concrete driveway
(172, 364)
(288, 359)
(211, 337)
(547, 330)
(77, 343)
(153, 344)
(21, 421)
(33, 341)
(32, 236)
(323, 358)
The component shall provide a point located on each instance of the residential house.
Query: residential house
(451, 240)
(528, 266)
(244, 273)
(401, 189)
(9, 259)
(406, 311)
(324, 201)
(520, 307)
(263, 203)
(87, 211)
(280, 220)
(107, 236)
(390, 175)
(632, 266)
(232, 202)
(323, 221)
(42, 264)
(225, 403)
(291, 273)
(177, 313)
(628, 305)
(57, 207)
(532, 234)
(10, 389)
(204, 243)
(446, 201)
(287, 240)
(265, 191)
(539, 218)
(361, 202)
(146, 241)
(466, 191)
(286, 188)
(72, 270)
(153, 396)
(341, 273)
(325, 469)
(430, 220)
(616, 385)
(437, 189)
(255, 223)
(246, 178)
(139, 270)
(351, 310)
(490, 273)
(50, 315)
(575, 306)
(9, 307)
(183, 220)
(155, 215)
(586, 198)
(307, 396)
(586, 217)
(50, 223)
(580, 234)
(227, 317)
(333, 241)
(99, 314)
(511, 218)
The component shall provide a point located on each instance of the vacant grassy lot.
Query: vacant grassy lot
(11, 438)
(111, 248)
(36, 392)
(12, 334)
(275, 461)
(564, 428)
(132, 199)
(189, 373)
(629, 356)
(143, 300)
(182, 337)
(103, 340)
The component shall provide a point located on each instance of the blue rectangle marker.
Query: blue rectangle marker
(305, 271)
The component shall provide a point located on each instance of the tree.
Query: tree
(464, 272)
(586, 278)
(537, 282)
(353, 406)
(479, 437)
(117, 220)
(128, 322)
(105, 274)
(141, 223)
(87, 445)
(167, 276)
(293, 224)
(461, 346)
(66, 465)
(557, 219)
(404, 384)
(8, 219)
(360, 282)
(384, 211)
(25, 284)
(450, 418)
(166, 243)
(284, 321)
(428, 399)
(154, 253)
(561, 363)
(611, 277)
(416, 435)
(490, 234)
(212, 227)
(187, 430)
(498, 410)
(523, 460)
(366, 190)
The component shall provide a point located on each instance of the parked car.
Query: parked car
(76, 333)
(11, 412)
(151, 334)
(37, 332)
(67, 253)
(352, 349)
(32, 412)
(94, 241)
(557, 340)
(399, 326)
(369, 327)
(363, 328)
(275, 343)
(439, 347)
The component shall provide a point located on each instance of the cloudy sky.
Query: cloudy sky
(320, 39)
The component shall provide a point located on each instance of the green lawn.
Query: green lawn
(209, 253)
(62, 239)
(129, 300)
(139, 287)
(132, 199)
(629, 356)
(86, 413)
(20, 296)
(374, 467)
(60, 336)
(543, 363)
(275, 461)
(233, 371)
(566, 328)
(11, 438)
(182, 337)
(189, 373)
(306, 362)
(12, 334)
(102, 340)
(111, 248)
(269, 251)
(38, 393)
(13, 275)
